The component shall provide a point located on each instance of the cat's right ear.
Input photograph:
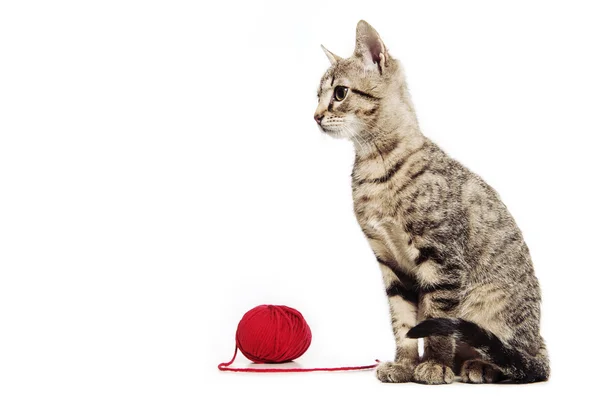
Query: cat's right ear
(370, 47)
(332, 57)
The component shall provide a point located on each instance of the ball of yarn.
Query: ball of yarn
(273, 334)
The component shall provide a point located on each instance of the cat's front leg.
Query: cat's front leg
(402, 297)
(439, 297)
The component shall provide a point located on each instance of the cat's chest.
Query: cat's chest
(381, 220)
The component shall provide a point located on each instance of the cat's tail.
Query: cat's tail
(518, 365)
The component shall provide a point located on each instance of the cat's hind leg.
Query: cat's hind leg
(478, 371)
(463, 353)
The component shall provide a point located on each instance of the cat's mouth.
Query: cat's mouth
(333, 132)
(337, 127)
(334, 129)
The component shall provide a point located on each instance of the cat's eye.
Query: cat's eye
(340, 93)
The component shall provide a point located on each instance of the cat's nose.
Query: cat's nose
(319, 118)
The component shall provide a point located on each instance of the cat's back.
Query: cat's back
(490, 241)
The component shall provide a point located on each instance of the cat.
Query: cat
(456, 269)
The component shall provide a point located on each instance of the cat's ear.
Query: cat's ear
(370, 47)
(332, 57)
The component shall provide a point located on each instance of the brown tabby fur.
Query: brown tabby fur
(450, 253)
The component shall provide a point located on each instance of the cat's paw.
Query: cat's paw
(433, 373)
(395, 372)
(477, 372)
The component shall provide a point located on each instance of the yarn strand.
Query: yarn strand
(225, 367)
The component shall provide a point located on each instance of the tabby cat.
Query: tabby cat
(456, 269)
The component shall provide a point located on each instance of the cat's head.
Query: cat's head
(359, 95)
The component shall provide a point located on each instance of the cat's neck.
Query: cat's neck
(376, 158)
(389, 140)
(395, 131)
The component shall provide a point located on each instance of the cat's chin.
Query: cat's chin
(337, 134)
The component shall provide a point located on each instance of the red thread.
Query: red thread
(275, 334)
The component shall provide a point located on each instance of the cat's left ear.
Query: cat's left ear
(332, 57)
(370, 47)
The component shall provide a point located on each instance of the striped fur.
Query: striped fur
(447, 246)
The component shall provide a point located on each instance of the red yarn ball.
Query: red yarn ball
(273, 334)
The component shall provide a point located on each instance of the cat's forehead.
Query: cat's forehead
(342, 70)
(338, 69)
(330, 74)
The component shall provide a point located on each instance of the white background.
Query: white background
(161, 174)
